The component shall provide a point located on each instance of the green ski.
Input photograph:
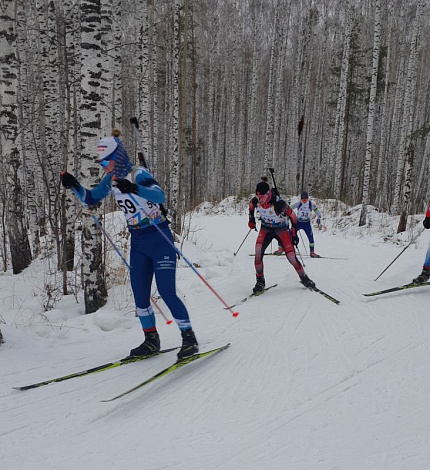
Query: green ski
(109, 365)
(395, 289)
(170, 369)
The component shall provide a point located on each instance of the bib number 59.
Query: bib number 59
(127, 206)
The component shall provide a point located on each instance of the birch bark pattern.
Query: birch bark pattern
(95, 292)
(371, 114)
(17, 231)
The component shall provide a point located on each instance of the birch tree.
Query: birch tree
(95, 292)
(408, 108)
(11, 159)
(371, 114)
(268, 153)
(337, 150)
(174, 165)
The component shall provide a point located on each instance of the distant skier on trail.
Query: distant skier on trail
(274, 214)
(150, 253)
(304, 208)
(425, 274)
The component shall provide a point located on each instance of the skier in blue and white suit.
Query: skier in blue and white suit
(139, 196)
(304, 209)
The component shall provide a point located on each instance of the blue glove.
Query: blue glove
(426, 222)
(318, 221)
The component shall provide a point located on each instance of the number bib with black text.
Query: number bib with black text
(141, 215)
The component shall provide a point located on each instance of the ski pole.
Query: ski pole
(404, 249)
(301, 237)
(246, 236)
(100, 226)
(179, 252)
(298, 251)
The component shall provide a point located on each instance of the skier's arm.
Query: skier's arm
(148, 188)
(317, 212)
(90, 197)
(251, 219)
(145, 186)
(282, 208)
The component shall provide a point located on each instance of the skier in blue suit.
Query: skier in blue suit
(139, 197)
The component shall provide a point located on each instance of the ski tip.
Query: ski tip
(235, 314)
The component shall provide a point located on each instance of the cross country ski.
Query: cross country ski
(324, 294)
(411, 285)
(254, 294)
(168, 370)
(109, 365)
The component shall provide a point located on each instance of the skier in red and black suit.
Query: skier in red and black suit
(274, 214)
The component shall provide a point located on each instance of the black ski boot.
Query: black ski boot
(259, 286)
(307, 282)
(189, 344)
(151, 345)
(422, 278)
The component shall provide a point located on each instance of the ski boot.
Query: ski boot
(151, 345)
(280, 251)
(422, 278)
(259, 286)
(314, 255)
(189, 344)
(307, 282)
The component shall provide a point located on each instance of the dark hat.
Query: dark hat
(262, 188)
(304, 195)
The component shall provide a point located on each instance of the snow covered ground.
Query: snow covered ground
(306, 384)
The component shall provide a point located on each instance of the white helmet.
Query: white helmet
(106, 147)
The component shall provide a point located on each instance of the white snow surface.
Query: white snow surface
(306, 384)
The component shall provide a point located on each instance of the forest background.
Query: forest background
(332, 94)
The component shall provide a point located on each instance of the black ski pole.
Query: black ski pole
(304, 246)
(246, 236)
(298, 251)
(135, 123)
(404, 249)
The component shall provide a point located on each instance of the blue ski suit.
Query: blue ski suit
(150, 252)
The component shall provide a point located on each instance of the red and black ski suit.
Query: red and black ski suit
(274, 224)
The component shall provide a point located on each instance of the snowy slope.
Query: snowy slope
(306, 384)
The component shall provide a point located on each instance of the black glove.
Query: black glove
(69, 181)
(426, 222)
(281, 207)
(275, 191)
(294, 236)
(126, 186)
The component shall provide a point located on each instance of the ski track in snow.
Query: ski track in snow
(305, 385)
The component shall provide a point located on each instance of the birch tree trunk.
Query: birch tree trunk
(18, 239)
(371, 114)
(408, 108)
(381, 178)
(69, 203)
(174, 165)
(95, 292)
(268, 152)
(144, 78)
(341, 117)
(253, 102)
